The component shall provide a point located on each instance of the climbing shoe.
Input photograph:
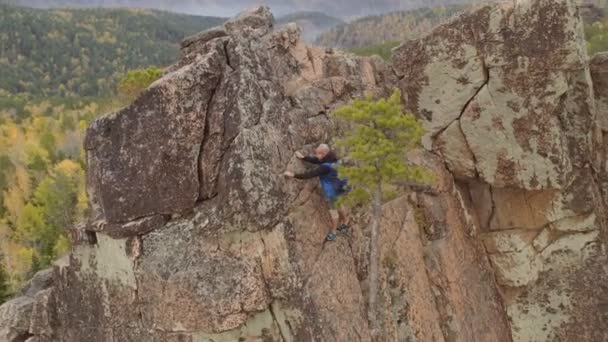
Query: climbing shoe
(331, 236)
(343, 228)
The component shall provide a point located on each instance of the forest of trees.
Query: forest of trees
(378, 35)
(42, 175)
(391, 27)
(70, 53)
(597, 36)
(42, 184)
(59, 70)
(4, 282)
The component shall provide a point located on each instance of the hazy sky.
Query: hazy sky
(224, 8)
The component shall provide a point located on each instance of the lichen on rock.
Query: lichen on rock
(526, 148)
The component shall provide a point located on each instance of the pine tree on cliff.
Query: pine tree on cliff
(376, 143)
(4, 286)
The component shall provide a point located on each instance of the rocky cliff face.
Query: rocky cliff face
(195, 236)
(522, 135)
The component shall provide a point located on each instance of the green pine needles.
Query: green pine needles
(377, 142)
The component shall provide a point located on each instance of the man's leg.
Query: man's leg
(344, 219)
(335, 218)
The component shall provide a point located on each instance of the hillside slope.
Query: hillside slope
(377, 35)
(391, 27)
(82, 52)
(596, 28)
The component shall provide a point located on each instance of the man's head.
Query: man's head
(322, 151)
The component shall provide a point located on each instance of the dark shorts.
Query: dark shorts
(333, 201)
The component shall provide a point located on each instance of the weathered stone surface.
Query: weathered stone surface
(15, 319)
(143, 160)
(522, 141)
(517, 268)
(544, 239)
(522, 209)
(584, 223)
(138, 227)
(442, 72)
(340, 300)
(259, 327)
(566, 289)
(203, 284)
(31, 316)
(461, 275)
(454, 147)
(43, 320)
(97, 293)
(509, 241)
(518, 110)
(41, 281)
(259, 21)
(196, 41)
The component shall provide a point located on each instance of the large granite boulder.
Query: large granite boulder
(513, 75)
(508, 100)
(15, 319)
(31, 314)
(143, 160)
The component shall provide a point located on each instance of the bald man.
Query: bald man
(333, 187)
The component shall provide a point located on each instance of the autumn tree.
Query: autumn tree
(376, 143)
(597, 36)
(4, 282)
(136, 81)
(53, 209)
(42, 183)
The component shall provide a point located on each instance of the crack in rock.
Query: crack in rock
(199, 162)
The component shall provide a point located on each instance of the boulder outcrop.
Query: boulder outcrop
(522, 137)
(196, 236)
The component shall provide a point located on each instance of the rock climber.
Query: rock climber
(333, 187)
